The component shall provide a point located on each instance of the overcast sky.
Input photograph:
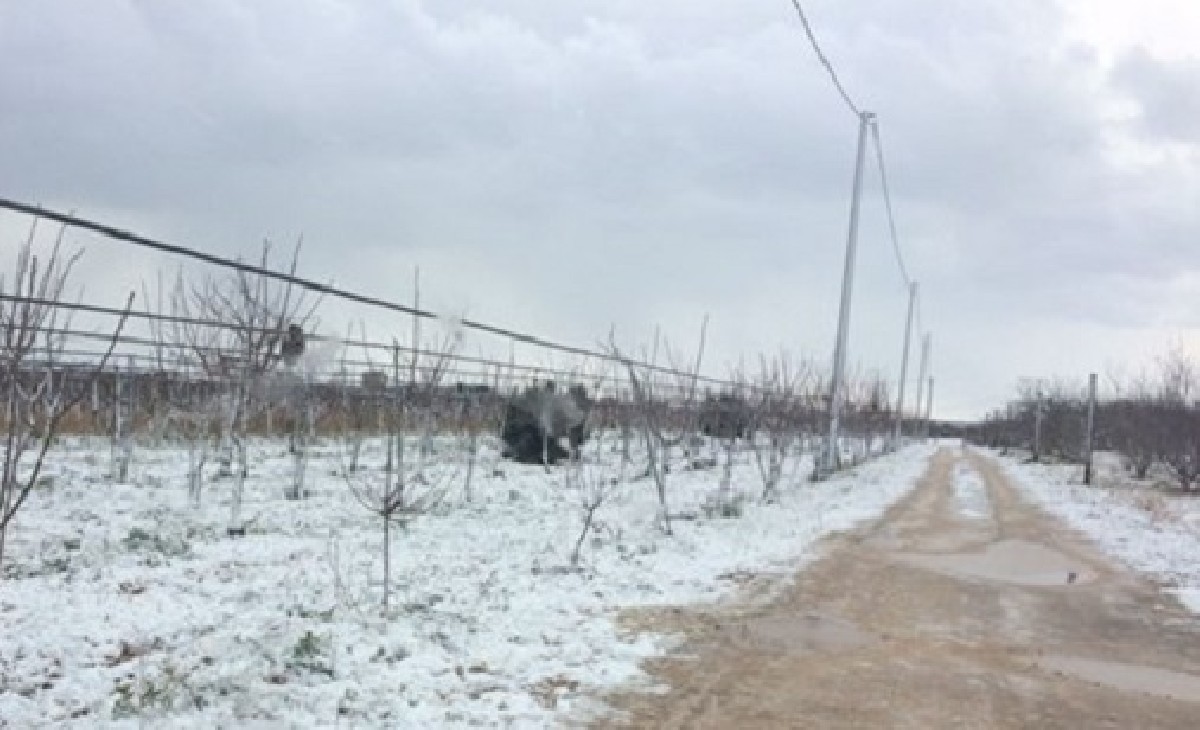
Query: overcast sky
(563, 167)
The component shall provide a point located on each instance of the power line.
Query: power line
(172, 350)
(887, 203)
(841, 89)
(365, 344)
(175, 358)
(327, 289)
(921, 331)
(812, 38)
(113, 311)
(59, 357)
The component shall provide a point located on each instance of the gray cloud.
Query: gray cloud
(1166, 93)
(563, 167)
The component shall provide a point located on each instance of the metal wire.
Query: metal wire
(327, 289)
(887, 203)
(347, 373)
(133, 314)
(812, 38)
(508, 370)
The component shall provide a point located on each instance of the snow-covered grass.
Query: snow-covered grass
(125, 605)
(1147, 528)
(970, 493)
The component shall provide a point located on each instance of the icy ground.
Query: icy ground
(1150, 527)
(125, 605)
(970, 493)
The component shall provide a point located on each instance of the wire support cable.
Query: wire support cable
(887, 203)
(812, 39)
(330, 290)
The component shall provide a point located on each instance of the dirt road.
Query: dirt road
(936, 617)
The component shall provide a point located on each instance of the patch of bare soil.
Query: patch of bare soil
(928, 619)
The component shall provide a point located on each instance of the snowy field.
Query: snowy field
(1150, 527)
(126, 605)
(970, 494)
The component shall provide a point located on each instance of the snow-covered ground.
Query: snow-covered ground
(970, 493)
(1142, 524)
(124, 604)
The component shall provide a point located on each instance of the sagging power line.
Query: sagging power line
(887, 203)
(330, 290)
(812, 39)
(385, 347)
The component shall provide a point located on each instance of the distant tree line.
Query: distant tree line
(1152, 421)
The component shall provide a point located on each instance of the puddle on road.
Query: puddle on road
(970, 493)
(811, 632)
(1126, 677)
(1007, 561)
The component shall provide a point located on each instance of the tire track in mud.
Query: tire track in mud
(929, 618)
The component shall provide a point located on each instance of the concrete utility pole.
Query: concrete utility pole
(1037, 426)
(926, 346)
(928, 407)
(416, 326)
(898, 433)
(837, 385)
(1089, 437)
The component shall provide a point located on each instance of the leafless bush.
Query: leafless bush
(357, 401)
(1047, 418)
(1181, 442)
(1179, 415)
(593, 483)
(427, 366)
(407, 486)
(257, 319)
(1132, 425)
(659, 420)
(782, 390)
(471, 422)
(33, 407)
(123, 409)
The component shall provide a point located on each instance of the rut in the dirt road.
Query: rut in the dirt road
(963, 607)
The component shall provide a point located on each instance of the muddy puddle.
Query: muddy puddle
(970, 494)
(1126, 677)
(791, 634)
(1007, 561)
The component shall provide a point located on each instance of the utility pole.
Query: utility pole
(928, 406)
(898, 433)
(865, 119)
(1037, 426)
(1089, 438)
(416, 329)
(926, 346)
